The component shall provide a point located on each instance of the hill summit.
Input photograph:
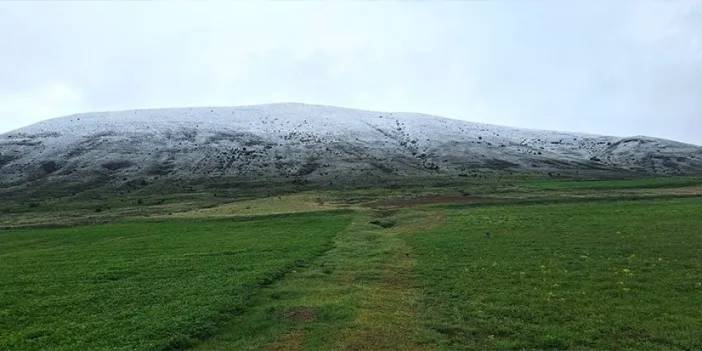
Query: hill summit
(309, 144)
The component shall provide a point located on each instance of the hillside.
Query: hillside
(297, 143)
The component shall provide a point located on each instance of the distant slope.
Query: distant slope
(307, 143)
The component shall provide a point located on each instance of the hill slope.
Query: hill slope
(308, 143)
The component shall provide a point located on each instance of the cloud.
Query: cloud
(52, 100)
(619, 68)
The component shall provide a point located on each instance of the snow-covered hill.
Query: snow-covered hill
(297, 142)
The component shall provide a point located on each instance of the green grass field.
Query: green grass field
(144, 285)
(531, 265)
(614, 275)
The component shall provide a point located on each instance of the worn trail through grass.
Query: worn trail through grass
(359, 295)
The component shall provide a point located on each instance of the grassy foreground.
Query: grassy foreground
(595, 275)
(530, 266)
(144, 285)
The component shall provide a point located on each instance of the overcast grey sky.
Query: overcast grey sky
(610, 67)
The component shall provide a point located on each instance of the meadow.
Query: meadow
(622, 275)
(530, 265)
(144, 285)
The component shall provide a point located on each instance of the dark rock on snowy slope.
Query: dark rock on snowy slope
(311, 144)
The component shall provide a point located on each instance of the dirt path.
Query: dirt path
(386, 317)
(360, 295)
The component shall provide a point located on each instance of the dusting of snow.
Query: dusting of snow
(314, 142)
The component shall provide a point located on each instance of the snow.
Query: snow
(290, 139)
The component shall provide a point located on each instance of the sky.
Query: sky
(605, 67)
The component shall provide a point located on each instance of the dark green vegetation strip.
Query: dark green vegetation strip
(600, 275)
(644, 183)
(144, 285)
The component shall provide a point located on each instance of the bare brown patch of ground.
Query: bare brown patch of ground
(514, 197)
(685, 191)
(301, 314)
(427, 200)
